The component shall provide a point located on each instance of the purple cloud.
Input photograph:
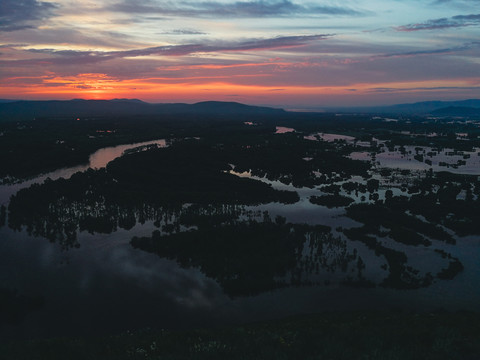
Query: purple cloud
(443, 23)
(184, 32)
(433, 88)
(23, 14)
(429, 52)
(87, 57)
(239, 9)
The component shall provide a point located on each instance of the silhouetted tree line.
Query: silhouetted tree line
(249, 257)
(400, 275)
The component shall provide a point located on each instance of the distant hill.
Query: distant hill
(25, 110)
(231, 107)
(457, 111)
(28, 110)
(428, 107)
(418, 108)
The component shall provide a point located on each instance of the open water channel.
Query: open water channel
(107, 286)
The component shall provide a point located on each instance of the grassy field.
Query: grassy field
(372, 335)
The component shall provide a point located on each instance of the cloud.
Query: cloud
(23, 14)
(238, 9)
(432, 88)
(428, 52)
(184, 32)
(456, 3)
(10, 46)
(71, 36)
(449, 2)
(473, 17)
(443, 23)
(87, 57)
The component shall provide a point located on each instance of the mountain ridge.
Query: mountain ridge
(31, 109)
(416, 108)
(457, 111)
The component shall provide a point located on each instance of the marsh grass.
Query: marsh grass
(356, 335)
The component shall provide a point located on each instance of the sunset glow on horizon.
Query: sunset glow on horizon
(283, 53)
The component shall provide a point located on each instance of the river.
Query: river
(99, 159)
(106, 286)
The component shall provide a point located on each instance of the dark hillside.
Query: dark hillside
(28, 110)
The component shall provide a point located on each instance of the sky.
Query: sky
(286, 53)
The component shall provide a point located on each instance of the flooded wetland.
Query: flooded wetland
(228, 221)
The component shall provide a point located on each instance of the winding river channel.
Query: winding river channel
(107, 286)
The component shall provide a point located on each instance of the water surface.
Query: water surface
(107, 286)
(99, 159)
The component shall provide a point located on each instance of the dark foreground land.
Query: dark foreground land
(241, 202)
(358, 335)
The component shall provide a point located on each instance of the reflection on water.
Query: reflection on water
(97, 160)
(283, 130)
(102, 157)
(108, 285)
(333, 137)
(105, 286)
(329, 137)
(424, 158)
